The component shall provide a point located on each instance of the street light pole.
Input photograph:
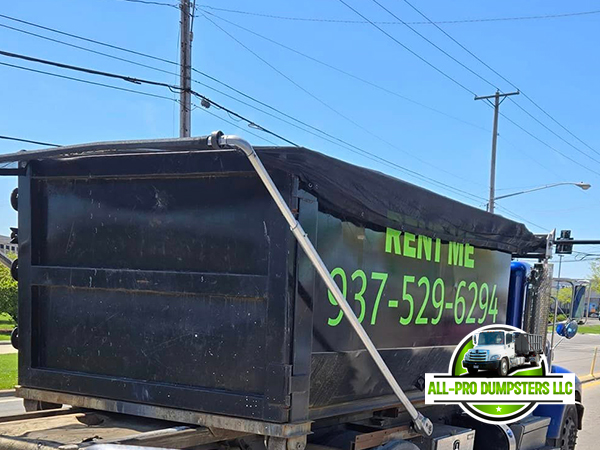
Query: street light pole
(497, 103)
(582, 185)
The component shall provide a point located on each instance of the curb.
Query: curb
(588, 378)
(7, 393)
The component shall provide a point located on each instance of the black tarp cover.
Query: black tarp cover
(371, 198)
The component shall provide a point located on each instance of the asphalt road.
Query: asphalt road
(6, 347)
(10, 406)
(576, 354)
(588, 436)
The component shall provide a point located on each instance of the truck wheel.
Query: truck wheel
(472, 371)
(568, 429)
(503, 367)
(534, 362)
(14, 338)
(14, 199)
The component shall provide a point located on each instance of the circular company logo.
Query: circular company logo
(498, 374)
(489, 353)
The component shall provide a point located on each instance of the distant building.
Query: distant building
(594, 306)
(6, 246)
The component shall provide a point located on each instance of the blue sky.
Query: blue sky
(554, 61)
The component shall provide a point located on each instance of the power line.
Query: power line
(93, 41)
(548, 145)
(147, 2)
(363, 152)
(408, 49)
(503, 115)
(318, 99)
(238, 91)
(344, 72)
(171, 87)
(323, 135)
(513, 85)
(464, 66)
(28, 141)
(318, 19)
(555, 134)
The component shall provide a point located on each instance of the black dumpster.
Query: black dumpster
(170, 279)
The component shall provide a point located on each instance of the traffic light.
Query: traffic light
(564, 248)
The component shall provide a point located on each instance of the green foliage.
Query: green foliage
(595, 275)
(8, 292)
(589, 329)
(565, 295)
(8, 371)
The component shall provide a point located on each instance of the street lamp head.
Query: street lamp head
(584, 186)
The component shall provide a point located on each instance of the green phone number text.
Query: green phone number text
(472, 303)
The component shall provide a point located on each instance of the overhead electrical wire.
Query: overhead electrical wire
(279, 111)
(323, 135)
(345, 72)
(353, 148)
(414, 53)
(433, 66)
(171, 62)
(320, 19)
(28, 141)
(135, 81)
(545, 144)
(149, 2)
(514, 86)
(322, 102)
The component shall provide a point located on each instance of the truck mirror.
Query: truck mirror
(578, 303)
(567, 329)
(474, 339)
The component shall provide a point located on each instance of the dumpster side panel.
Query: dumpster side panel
(416, 296)
(162, 284)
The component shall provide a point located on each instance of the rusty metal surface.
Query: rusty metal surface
(75, 430)
(376, 438)
(288, 430)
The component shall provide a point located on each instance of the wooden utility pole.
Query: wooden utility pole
(185, 96)
(496, 105)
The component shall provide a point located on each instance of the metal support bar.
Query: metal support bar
(593, 367)
(422, 424)
(283, 430)
(577, 241)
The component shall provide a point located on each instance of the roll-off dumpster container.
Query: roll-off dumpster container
(171, 279)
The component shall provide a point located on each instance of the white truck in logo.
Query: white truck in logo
(500, 351)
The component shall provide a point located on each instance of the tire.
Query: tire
(535, 362)
(568, 429)
(503, 367)
(14, 269)
(14, 338)
(472, 371)
(14, 199)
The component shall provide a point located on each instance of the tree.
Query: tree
(595, 275)
(9, 294)
(565, 295)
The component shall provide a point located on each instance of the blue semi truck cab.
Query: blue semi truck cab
(565, 420)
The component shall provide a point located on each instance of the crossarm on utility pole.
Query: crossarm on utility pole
(217, 140)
